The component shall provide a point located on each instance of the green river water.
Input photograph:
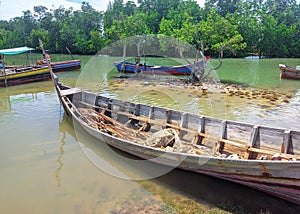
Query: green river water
(50, 166)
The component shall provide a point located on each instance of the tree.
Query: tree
(217, 33)
(223, 7)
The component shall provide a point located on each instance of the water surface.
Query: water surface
(45, 167)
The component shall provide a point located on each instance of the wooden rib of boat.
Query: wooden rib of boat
(289, 72)
(131, 68)
(261, 157)
(15, 75)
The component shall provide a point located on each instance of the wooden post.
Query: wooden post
(220, 145)
(70, 53)
(201, 129)
(109, 107)
(137, 110)
(253, 138)
(3, 68)
(168, 115)
(151, 112)
(183, 120)
(124, 58)
(224, 130)
(182, 125)
(286, 141)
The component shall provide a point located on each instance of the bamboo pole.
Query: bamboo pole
(70, 53)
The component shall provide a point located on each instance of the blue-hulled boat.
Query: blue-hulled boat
(130, 67)
(69, 65)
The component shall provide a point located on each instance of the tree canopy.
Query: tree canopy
(245, 27)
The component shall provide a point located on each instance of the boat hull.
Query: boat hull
(27, 76)
(131, 68)
(288, 72)
(66, 65)
(261, 176)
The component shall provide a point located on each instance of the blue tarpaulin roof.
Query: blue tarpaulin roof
(13, 51)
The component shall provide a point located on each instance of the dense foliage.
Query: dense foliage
(246, 27)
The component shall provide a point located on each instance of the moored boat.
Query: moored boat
(261, 157)
(68, 65)
(15, 75)
(130, 67)
(289, 72)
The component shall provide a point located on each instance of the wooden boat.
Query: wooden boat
(69, 65)
(15, 75)
(264, 158)
(26, 74)
(289, 72)
(130, 67)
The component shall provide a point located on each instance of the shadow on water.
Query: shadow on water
(192, 188)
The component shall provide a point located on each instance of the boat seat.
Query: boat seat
(10, 71)
(69, 91)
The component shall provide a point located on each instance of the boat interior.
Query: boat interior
(176, 131)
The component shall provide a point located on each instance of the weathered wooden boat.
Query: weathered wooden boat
(264, 158)
(289, 72)
(132, 68)
(68, 65)
(15, 75)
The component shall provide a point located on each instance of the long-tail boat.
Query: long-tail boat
(132, 68)
(261, 157)
(289, 72)
(15, 75)
(68, 65)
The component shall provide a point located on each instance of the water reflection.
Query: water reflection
(63, 125)
(5, 104)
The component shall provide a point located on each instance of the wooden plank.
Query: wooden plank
(69, 91)
(231, 142)
(268, 152)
